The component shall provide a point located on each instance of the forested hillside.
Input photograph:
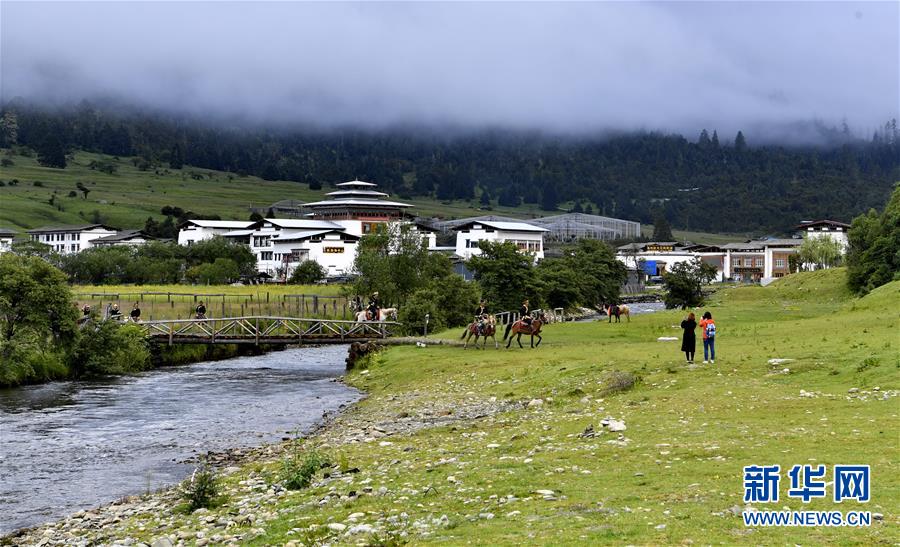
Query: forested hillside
(714, 183)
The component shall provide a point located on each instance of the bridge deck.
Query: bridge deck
(265, 330)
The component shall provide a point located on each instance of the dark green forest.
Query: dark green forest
(710, 182)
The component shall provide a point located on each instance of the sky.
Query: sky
(573, 67)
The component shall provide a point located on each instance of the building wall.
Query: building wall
(5, 244)
(193, 234)
(65, 242)
(840, 237)
(467, 241)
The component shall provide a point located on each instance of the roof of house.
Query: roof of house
(640, 246)
(361, 193)
(6, 232)
(356, 182)
(222, 224)
(123, 235)
(70, 228)
(809, 223)
(357, 201)
(298, 223)
(505, 226)
(237, 233)
(302, 236)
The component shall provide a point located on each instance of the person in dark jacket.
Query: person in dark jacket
(689, 340)
(481, 310)
(374, 306)
(524, 313)
(201, 310)
(136, 313)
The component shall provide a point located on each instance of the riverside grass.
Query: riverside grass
(690, 432)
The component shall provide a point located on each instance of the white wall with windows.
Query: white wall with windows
(527, 238)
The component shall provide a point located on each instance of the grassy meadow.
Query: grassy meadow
(467, 467)
(127, 197)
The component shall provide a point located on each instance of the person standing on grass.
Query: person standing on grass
(135, 313)
(689, 340)
(201, 310)
(708, 328)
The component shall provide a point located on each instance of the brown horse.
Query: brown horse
(486, 328)
(622, 310)
(520, 327)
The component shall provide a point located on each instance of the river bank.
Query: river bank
(603, 435)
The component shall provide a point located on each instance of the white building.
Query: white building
(752, 261)
(276, 242)
(6, 239)
(832, 229)
(193, 231)
(125, 238)
(528, 238)
(70, 239)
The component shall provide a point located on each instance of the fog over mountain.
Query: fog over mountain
(767, 68)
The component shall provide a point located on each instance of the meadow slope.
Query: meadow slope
(450, 447)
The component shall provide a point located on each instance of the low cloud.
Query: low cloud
(559, 67)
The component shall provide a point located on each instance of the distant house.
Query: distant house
(70, 239)
(193, 231)
(751, 261)
(6, 239)
(125, 238)
(526, 237)
(836, 231)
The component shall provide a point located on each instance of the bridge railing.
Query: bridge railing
(265, 329)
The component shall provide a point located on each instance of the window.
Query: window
(779, 263)
(262, 241)
(748, 262)
(73, 247)
(759, 263)
(265, 255)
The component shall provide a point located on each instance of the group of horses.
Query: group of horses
(486, 327)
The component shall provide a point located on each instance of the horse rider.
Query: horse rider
(481, 314)
(523, 313)
(374, 306)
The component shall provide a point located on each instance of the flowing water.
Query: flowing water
(67, 446)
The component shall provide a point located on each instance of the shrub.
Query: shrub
(202, 489)
(297, 471)
(38, 183)
(223, 270)
(307, 273)
(6, 162)
(412, 314)
(619, 382)
(108, 347)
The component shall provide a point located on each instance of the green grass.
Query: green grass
(129, 196)
(679, 464)
(699, 237)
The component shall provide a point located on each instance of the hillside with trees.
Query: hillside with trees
(711, 182)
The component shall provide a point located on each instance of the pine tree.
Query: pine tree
(740, 144)
(715, 139)
(550, 199)
(661, 229)
(704, 141)
(9, 129)
(51, 152)
(176, 156)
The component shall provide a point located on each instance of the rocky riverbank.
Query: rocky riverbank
(159, 519)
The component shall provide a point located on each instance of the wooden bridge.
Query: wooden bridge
(265, 330)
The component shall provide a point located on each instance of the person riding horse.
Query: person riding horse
(374, 306)
(524, 314)
(481, 314)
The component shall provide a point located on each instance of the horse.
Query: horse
(384, 314)
(485, 328)
(622, 310)
(520, 327)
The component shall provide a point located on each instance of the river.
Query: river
(67, 446)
